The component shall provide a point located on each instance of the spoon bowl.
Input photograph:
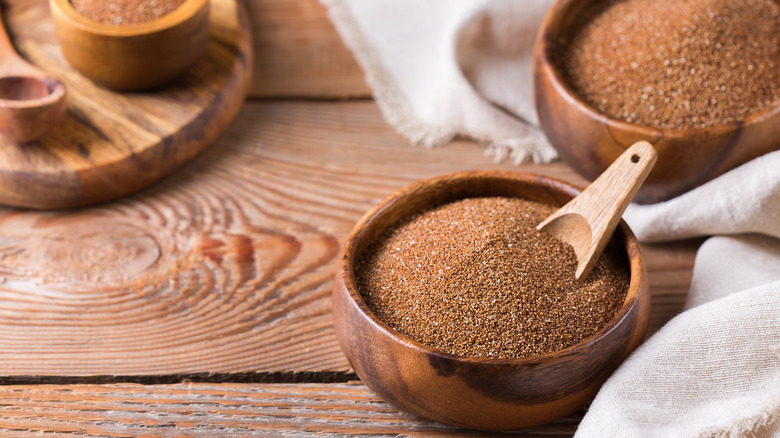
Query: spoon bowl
(476, 393)
(24, 88)
(31, 101)
(29, 107)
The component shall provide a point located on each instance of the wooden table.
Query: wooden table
(201, 306)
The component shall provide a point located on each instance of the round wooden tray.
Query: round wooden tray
(109, 144)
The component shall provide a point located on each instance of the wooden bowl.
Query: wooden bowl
(133, 56)
(488, 394)
(590, 141)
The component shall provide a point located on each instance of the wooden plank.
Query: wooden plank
(215, 410)
(670, 268)
(298, 52)
(226, 266)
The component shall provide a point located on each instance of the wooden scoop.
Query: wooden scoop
(31, 101)
(588, 221)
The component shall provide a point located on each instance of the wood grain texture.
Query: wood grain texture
(590, 141)
(220, 410)
(227, 265)
(298, 53)
(110, 144)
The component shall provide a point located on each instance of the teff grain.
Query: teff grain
(675, 65)
(474, 278)
(123, 12)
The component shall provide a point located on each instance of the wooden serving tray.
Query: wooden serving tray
(109, 144)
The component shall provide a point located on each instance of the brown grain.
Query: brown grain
(122, 12)
(475, 278)
(676, 65)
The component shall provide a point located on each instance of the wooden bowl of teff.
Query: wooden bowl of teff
(700, 81)
(130, 49)
(444, 325)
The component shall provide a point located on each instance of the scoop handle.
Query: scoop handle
(11, 64)
(588, 221)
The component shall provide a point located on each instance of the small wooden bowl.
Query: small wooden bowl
(590, 141)
(488, 394)
(133, 56)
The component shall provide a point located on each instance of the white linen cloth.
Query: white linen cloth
(714, 370)
(442, 68)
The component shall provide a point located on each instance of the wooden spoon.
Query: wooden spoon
(588, 221)
(31, 101)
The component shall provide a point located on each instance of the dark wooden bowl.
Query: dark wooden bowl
(590, 141)
(488, 394)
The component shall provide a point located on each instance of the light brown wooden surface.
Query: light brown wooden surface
(299, 53)
(227, 265)
(109, 144)
(220, 410)
(221, 272)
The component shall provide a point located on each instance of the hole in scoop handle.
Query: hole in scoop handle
(602, 204)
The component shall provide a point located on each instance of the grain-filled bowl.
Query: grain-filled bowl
(473, 392)
(588, 119)
(132, 56)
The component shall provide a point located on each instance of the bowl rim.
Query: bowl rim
(182, 13)
(54, 87)
(545, 49)
(349, 256)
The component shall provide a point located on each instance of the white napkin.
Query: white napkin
(441, 68)
(714, 370)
